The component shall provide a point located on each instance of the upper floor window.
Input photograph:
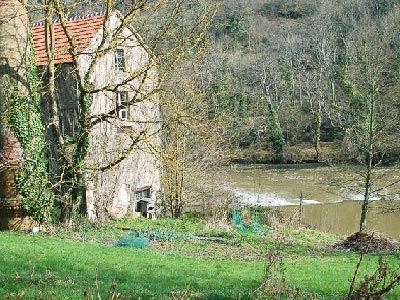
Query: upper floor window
(122, 104)
(119, 60)
(142, 193)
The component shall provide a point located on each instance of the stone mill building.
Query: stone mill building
(122, 174)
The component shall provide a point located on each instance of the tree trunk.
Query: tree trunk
(367, 191)
(369, 165)
(317, 136)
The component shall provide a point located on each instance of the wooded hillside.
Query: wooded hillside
(295, 73)
(293, 80)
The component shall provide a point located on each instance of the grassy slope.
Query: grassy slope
(36, 267)
(40, 266)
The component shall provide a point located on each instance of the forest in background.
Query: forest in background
(287, 81)
(285, 75)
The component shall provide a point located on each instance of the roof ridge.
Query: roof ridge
(78, 17)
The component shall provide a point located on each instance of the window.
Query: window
(119, 60)
(142, 193)
(122, 105)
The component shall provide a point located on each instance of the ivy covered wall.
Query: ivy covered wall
(25, 117)
(23, 161)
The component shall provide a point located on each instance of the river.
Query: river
(331, 195)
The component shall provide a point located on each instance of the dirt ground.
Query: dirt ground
(368, 241)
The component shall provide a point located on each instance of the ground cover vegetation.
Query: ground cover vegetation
(183, 260)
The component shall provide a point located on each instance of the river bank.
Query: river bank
(330, 195)
(330, 152)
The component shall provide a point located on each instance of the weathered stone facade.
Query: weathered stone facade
(121, 169)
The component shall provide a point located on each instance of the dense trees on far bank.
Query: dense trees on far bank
(285, 75)
(277, 76)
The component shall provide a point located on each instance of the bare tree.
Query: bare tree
(190, 143)
(371, 81)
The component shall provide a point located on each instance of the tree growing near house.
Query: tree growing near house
(190, 143)
(167, 41)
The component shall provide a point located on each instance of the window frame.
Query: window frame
(122, 107)
(119, 62)
(143, 193)
(140, 194)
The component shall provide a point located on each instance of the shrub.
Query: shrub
(137, 237)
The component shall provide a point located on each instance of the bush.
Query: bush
(290, 9)
(158, 235)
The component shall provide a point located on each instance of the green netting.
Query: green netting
(237, 218)
(132, 242)
(140, 238)
(255, 227)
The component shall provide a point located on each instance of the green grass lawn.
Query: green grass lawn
(58, 267)
(41, 267)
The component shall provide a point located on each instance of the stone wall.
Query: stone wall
(111, 186)
(13, 65)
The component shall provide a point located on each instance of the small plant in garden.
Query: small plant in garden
(273, 281)
(112, 293)
(140, 238)
(182, 295)
(273, 284)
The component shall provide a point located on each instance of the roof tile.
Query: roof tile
(83, 30)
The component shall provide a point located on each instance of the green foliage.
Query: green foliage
(356, 98)
(161, 235)
(221, 92)
(32, 179)
(226, 95)
(235, 27)
(274, 126)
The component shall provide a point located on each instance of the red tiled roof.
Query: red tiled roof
(83, 30)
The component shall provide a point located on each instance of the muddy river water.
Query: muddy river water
(331, 195)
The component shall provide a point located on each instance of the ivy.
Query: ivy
(357, 99)
(235, 28)
(274, 126)
(25, 117)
